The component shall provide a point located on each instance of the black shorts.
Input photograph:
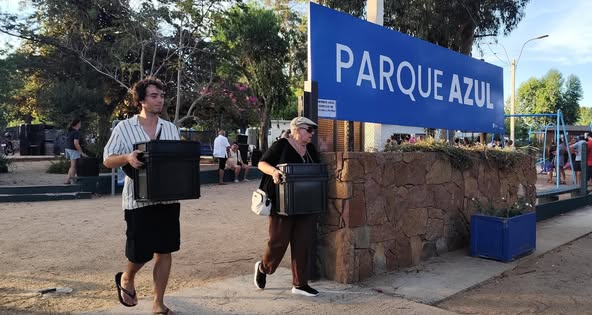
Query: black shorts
(577, 165)
(222, 163)
(152, 229)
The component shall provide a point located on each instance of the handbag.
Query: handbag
(260, 203)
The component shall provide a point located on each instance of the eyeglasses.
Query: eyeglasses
(310, 130)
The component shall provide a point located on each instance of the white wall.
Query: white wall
(276, 129)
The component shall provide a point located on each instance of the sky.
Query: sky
(568, 48)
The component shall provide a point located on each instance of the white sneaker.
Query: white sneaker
(246, 180)
(305, 290)
(236, 180)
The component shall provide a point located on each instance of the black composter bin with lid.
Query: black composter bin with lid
(171, 171)
(303, 189)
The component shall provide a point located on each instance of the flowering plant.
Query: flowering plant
(521, 206)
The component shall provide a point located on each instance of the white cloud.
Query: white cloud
(570, 34)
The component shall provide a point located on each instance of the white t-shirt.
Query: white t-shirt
(123, 137)
(234, 159)
(578, 148)
(220, 145)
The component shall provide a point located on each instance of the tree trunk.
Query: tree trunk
(179, 69)
(265, 121)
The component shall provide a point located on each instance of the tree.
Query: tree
(120, 46)
(256, 52)
(549, 94)
(454, 24)
(571, 97)
(585, 117)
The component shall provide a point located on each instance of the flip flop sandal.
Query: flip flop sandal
(165, 312)
(120, 289)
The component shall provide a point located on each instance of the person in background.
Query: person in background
(221, 151)
(153, 229)
(296, 230)
(589, 161)
(576, 148)
(235, 163)
(73, 149)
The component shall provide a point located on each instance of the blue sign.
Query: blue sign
(369, 73)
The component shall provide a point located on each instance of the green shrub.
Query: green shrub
(460, 157)
(60, 166)
(4, 162)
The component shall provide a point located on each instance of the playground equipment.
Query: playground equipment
(556, 135)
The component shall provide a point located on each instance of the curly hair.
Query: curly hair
(139, 89)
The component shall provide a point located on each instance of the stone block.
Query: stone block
(388, 175)
(339, 189)
(384, 232)
(364, 263)
(434, 229)
(420, 196)
(337, 255)
(375, 211)
(354, 211)
(439, 172)
(416, 249)
(369, 162)
(353, 170)
(332, 215)
(390, 207)
(448, 196)
(471, 188)
(414, 222)
(409, 174)
(488, 181)
(360, 237)
(391, 255)
(378, 259)
(403, 253)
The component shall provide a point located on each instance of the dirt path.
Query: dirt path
(79, 244)
(555, 283)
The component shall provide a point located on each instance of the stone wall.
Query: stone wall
(391, 210)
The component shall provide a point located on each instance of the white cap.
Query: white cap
(302, 121)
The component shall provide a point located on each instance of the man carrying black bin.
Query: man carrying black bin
(152, 227)
(298, 230)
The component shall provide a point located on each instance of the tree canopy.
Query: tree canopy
(256, 52)
(549, 94)
(454, 24)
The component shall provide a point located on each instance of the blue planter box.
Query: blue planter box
(503, 239)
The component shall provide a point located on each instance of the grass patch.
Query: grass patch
(60, 166)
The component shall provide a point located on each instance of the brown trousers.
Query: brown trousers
(298, 231)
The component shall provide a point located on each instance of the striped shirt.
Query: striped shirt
(123, 137)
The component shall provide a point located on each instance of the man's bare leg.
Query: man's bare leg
(162, 270)
(246, 168)
(127, 282)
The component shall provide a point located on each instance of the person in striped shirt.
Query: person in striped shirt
(152, 227)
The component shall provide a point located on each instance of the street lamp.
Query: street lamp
(513, 66)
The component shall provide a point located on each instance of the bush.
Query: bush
(461, 157)
(4, 162)
(60, 166)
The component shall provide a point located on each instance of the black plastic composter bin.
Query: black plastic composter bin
(171, 171)
(303, 189)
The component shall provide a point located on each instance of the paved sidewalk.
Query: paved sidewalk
(239, 296)
(408, 291)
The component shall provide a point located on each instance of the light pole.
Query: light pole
(513, 66)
